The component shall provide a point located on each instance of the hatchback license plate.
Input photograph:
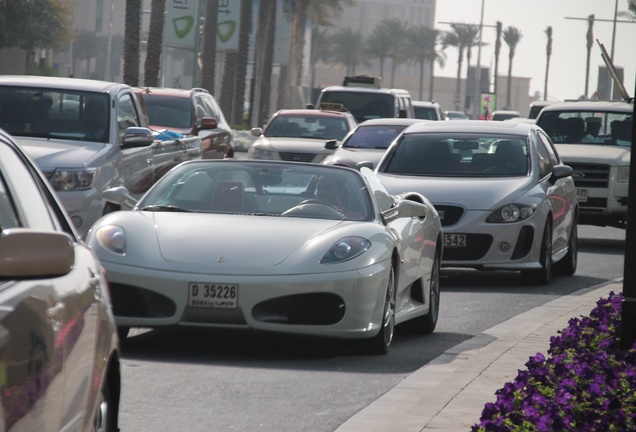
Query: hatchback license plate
(213, 295)
(581, 194)
(454, 240)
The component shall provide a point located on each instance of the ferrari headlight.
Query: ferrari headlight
(623, 174)
(112, 238)
(345, 249)
(511, 213)
(258, 153)
(70, 179)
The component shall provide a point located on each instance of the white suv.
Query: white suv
(594, 138)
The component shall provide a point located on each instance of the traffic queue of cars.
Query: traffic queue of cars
(347, 243)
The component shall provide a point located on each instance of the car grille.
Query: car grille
(594, 175)
(477, 246)
(297, 157)
(449, 214)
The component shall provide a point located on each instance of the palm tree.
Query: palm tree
(548, 54)
(378, 46)
(422, 42)
(131, 42)
(459, 37)
(497, 52)
(155, 39)
(208, 55)
(511, 36)
(320, 52)
(263, 62)
(346, 51)
(589, 44)
(238, 97)
(631, 12)
(395, 31)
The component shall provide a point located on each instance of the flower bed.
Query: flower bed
(587, 382)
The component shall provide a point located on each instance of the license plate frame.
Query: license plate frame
(213, 295)
(455, 240)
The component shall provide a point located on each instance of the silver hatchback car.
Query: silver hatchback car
(505, 198)
(59, 352)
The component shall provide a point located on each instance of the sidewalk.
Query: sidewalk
(449, 393)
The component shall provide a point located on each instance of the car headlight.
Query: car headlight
(70, 179)
(112, 238)
(258, 153)
(623, 174)
(511, 213)
(345, 249)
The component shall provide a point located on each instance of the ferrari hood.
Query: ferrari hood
(49, 154)
(473, 193)
(233, 240)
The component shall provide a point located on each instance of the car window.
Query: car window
(546, 162)
(426, 112)
(168, 112)
(450, 155)
(267, 189)
(127, 115)
(587, 127)
(373, 137)
(363, 105)
(291, 126)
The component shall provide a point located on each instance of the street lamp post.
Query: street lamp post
(477, 92)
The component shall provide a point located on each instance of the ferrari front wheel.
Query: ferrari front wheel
(380, 343)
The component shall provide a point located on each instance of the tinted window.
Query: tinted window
(168, 112)
(375, 137)
(364, 106)
(587, 127)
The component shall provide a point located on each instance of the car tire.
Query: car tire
(543, 275)
(426, 324)
(567, 265)
(122, 332)
(105, 418)
(380, 343)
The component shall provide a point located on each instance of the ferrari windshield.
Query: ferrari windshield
(262, 189)
(454, 155)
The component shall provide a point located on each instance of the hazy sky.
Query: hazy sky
(569, 53)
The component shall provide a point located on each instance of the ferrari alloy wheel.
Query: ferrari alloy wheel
(567, 265)
(543, 275)
(381, 342)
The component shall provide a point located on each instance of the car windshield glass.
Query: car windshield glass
(307, 127)
(373, 137)
(168, 112)
(425, 113)
(363, 105)
(453, 155)
(262, 189)
(48, 113)
(588, 127)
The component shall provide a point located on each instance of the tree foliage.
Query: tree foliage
(31, 24)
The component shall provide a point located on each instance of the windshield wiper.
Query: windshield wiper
(170, 208)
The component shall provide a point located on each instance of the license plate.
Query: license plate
(212, 295)
(454, 240)
(581, 194)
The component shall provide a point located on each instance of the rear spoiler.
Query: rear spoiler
(612, 70)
